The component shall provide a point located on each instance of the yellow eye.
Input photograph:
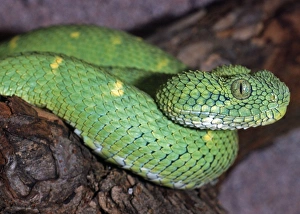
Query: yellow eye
(241, 89)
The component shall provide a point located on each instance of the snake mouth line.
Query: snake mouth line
(215, 121)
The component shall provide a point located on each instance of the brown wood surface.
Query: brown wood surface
(44, 168)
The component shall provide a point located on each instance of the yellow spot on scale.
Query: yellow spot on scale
(117, 91)
(13, 42)
(162, 63)
(57, 61)
(207, 137)
(116, 40)
(139, 38)
(75, 34)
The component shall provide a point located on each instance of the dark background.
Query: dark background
(267, 180)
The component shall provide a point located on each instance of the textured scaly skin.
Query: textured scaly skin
(100, 46)
(118, 121)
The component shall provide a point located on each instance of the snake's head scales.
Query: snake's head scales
(229, 97)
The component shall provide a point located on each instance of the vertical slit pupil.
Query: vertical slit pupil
(241, 88)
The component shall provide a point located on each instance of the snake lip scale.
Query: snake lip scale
(92, 77)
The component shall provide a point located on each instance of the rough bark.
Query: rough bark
(44, 168)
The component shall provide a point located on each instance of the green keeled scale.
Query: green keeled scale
(86, 75)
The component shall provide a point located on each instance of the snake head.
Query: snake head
(229, 97)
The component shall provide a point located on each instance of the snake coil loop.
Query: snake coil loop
(86, 75)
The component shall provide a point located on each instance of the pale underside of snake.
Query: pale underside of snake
(183, 138)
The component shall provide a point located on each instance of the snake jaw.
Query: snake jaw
(205, 100)
(277, 113)
(213, 121)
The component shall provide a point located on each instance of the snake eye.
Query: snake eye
(241, 89)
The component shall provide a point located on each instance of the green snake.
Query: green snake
(183, 138)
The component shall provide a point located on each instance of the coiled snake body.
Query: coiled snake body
(85, 75)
